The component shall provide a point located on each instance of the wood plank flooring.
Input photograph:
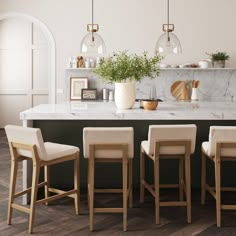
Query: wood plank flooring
(59, 218)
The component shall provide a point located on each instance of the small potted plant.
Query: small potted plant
(124, 69)
(218, 59)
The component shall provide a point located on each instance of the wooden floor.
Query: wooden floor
(60, 219)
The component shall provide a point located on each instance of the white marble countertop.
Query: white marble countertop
(99, 110)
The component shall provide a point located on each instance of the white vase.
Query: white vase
(125, 95)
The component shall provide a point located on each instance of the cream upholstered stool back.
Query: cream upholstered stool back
(220, 147)
(172, 142)
(159, 133)
(111, 135)
(27, 144)
(109, 144)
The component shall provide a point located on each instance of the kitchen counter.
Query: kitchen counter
(99, 110)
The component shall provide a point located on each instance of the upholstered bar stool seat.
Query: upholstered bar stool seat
(168, 142)
(220, 147)
(109, 144)
(27, 144)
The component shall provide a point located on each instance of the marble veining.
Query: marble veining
(215, 84)
(99, 110)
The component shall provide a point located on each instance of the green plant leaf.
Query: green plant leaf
(122, 66)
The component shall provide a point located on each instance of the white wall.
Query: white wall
(202, 26)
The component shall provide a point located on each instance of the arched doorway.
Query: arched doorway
(27, 65)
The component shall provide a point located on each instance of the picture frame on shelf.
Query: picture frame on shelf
(76, 86)
(89, 94)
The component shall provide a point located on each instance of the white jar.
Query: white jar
(203, 64)
(87, 63)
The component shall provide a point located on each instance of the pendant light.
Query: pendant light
(168, 42)
(92, 43)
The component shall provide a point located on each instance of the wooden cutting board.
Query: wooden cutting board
(180, 90)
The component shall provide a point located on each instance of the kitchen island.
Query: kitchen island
(64, 123)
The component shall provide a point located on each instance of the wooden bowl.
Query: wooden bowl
(150, 104)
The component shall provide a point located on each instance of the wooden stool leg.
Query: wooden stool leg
(91, 192)
(34, 191)
(142, 175)
(188, 187)
(203, 179)
(130, 183)
(88, 185)
(181, 179)
(76, 184)
(218, 191)
(157, 190)
(46, 179)
(125, 176)
(14, 168)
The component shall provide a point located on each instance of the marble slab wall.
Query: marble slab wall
(215, 84)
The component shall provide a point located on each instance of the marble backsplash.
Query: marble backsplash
(215, 84)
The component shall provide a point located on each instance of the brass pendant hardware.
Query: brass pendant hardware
(168, 27)
(92, 27)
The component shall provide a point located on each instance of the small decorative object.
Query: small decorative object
(218, 59)
(92, 63)
(180, 90)
(195, 84)
(152, 93)
(105, 92)
(80, 62)
(163, 66)
(203, 64)
(74, 62)
(123, 70)
(111, 95)
(193, 65)
(89, 94)
(87, 63)
(76, 85)
(149, 104)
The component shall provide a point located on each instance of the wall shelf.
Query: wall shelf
(164, 69)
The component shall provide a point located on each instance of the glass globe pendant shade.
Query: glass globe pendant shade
(92, 44)
(168, 43)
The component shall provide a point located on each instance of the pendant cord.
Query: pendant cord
(92, 24)
(168, 16)
(168, 20)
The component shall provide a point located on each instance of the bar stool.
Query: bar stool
(27, 144)
(168, 142)
(109, 145)
(220, 147)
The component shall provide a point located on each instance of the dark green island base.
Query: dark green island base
(109, 175)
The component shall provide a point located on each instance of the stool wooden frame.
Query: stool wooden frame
(184, 185)
(127, 181)
(37, 163)
(216, 190)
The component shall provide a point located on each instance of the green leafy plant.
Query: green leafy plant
(219, 56)
(122, 67)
